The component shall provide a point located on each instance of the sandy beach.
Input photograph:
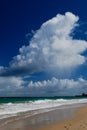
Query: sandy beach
(78, 122)
(72, 117)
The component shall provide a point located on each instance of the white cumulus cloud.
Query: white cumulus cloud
(58, 87)
(52, 46)
(12, 86)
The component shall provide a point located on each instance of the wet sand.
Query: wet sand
(63, 118)
(78, 122)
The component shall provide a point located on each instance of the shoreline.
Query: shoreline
(49, 120)
(77, 122)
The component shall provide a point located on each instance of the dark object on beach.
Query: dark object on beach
(83, 95)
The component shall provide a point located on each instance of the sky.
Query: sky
(43, 47)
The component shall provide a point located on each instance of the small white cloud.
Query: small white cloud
(10, 83)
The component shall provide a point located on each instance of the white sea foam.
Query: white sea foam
(11, 109)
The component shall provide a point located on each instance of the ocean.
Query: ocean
(14, 106)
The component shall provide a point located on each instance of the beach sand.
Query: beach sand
(78, 122)
(65, 118)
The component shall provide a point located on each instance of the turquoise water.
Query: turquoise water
(26, 99)
(10, 106)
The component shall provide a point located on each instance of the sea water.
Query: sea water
(12, 106)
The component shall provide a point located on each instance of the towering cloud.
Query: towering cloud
(51, 48)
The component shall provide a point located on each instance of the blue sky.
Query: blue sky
(43, 47)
